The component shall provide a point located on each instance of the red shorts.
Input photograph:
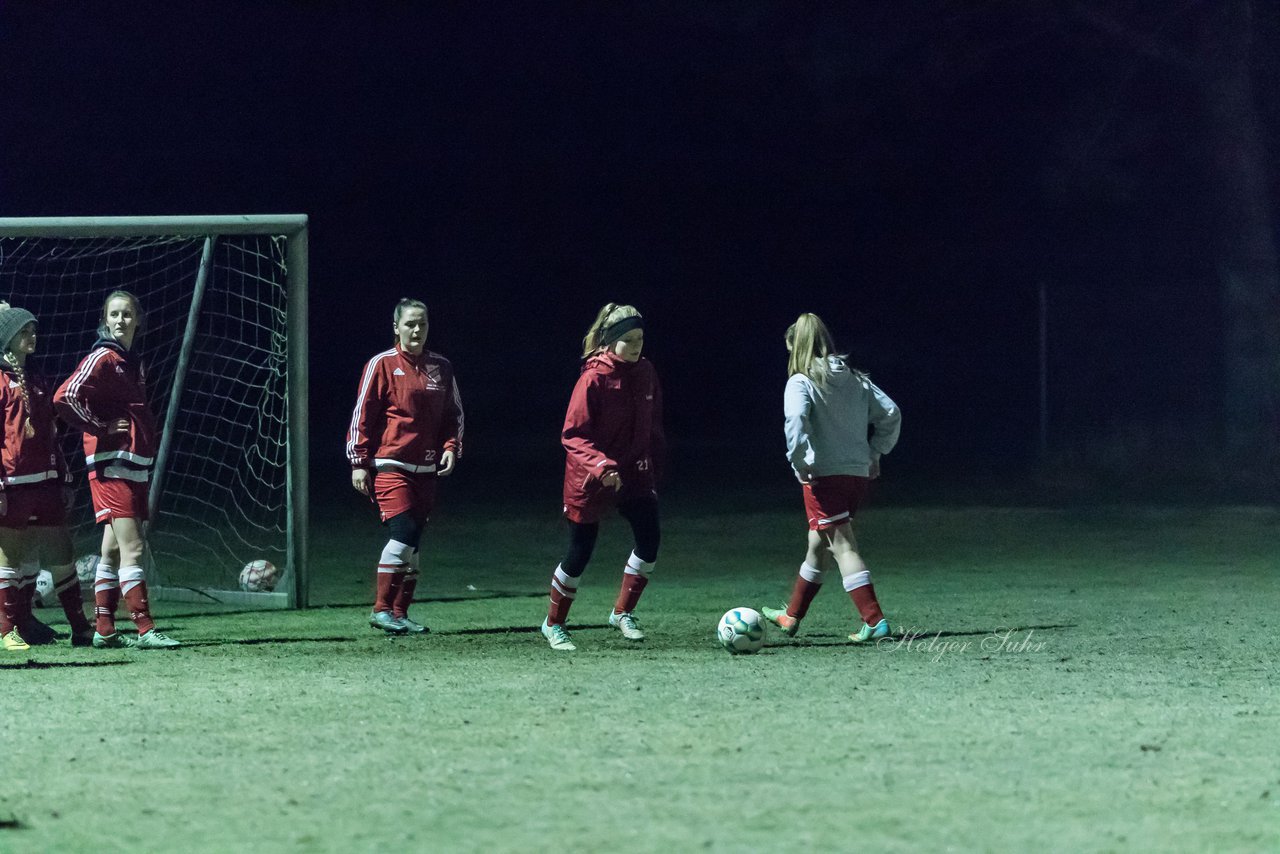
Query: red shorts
(834, 500)
(38, 504)
(117, 498)
(397, 492)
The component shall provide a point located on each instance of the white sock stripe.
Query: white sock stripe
(130, 577)
(66, 583)
(106, 573)
(566, 580)
(810, 573)
(858, 579)
(566, 592)
(636, 566)
(839, 517)
(6, 576)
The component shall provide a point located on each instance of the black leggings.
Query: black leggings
(641, 512)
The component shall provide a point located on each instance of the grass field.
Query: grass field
(1066, 680)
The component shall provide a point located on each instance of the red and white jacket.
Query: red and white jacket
(614, 424)
(110, 384)
(408, 412)
(26, 460)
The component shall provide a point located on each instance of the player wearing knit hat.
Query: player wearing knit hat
(33, 489)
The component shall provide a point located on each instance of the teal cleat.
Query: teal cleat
(627, 624)
(785, 622)
(115, 640)
(558, 637)
(411, 627)
(386, 621)
(155, 640)
(871, 633)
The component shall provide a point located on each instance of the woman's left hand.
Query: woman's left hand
(447, 460)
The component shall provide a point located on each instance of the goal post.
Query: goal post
(224, 342)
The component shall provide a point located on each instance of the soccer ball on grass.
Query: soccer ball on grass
(741, 631)
(259, 576)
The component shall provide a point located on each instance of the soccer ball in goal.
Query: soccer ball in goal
(741, 631)
(223, 344)
(45, 596)
(86, 568)
(259, 576)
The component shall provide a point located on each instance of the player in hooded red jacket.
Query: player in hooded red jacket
(406, 429)
(106, 398)
(613, 443)
(33, 495)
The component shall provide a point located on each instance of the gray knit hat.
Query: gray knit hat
(12, 319)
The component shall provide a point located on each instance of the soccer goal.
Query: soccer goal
(224, 343)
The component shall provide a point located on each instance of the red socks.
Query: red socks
(808, 583)
(634, 579)
(404, 595)
(863, 595)
(388, 588)
(106, 597)
(564, 588)
(134, 589)
(7, 594)
(72, 602)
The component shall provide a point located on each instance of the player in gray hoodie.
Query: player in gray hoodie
(831, 409)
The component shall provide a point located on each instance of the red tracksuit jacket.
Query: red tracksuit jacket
(28, 460)
(408, 411)
(614, 423)
(109, 384)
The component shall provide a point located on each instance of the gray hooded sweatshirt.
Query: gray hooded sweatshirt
(826, 426)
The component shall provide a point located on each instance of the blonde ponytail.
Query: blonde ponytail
(27, 430)
(809, 343)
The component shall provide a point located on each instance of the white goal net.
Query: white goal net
(217, 342)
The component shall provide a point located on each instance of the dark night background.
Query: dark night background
(914, 172)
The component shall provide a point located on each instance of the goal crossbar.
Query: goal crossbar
(151, 226)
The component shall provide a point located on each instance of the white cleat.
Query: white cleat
(557, 636)
(626, 623)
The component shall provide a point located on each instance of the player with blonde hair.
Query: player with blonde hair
(406, 431)
(613, 443)
(106, 398)
(830, 408)
(34, 492)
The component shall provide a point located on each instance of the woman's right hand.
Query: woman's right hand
(120, 425)
(360, 480)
